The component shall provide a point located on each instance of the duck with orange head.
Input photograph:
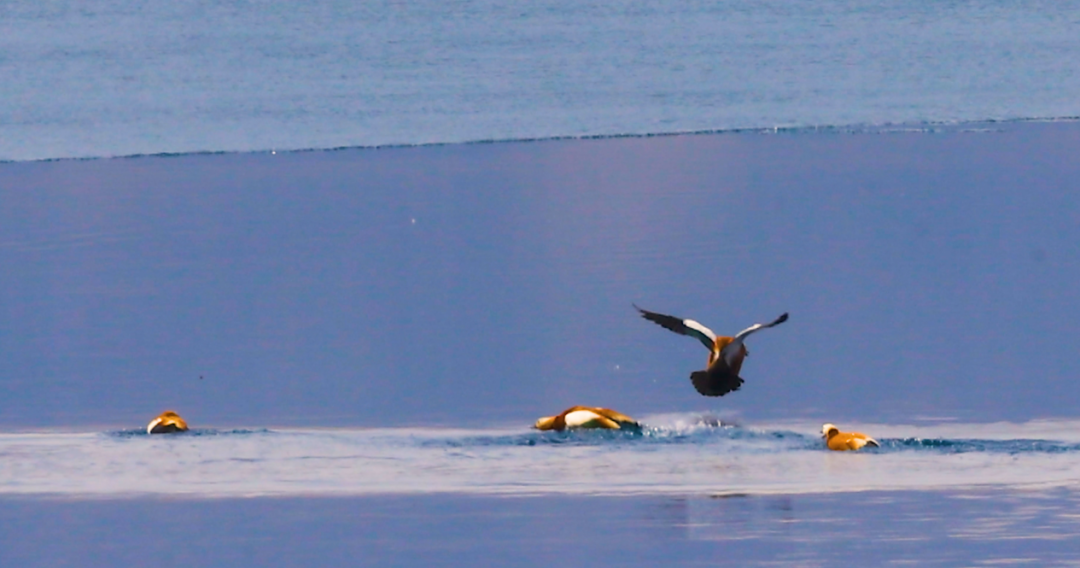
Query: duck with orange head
(845, 441)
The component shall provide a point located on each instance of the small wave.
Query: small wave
(701, 434)
(194, 432)
(569, 437)
(990, 446)
(681, 431)
(736, 439)
(987, 125)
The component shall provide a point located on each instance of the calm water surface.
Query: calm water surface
(929, 277)
(974, 528)
(361, 339)
(109, 77)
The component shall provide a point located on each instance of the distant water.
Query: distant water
(929, 273)
(110, 77)
(671, 455)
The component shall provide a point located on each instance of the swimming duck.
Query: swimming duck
(167, 423)
(586, 417)
(726, 354)
(844, 441)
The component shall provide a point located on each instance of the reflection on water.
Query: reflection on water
(871, 528)
(737, 516)
(969, 528)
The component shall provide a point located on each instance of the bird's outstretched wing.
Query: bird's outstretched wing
(732, 348)
(759, 326)
(681, 326)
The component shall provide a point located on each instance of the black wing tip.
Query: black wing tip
(783, 318)
(656, 317)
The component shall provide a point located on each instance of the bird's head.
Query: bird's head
(545, 423)
(829, 430)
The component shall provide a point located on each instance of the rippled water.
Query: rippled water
(670, 455)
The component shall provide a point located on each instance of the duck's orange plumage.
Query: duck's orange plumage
(586, 417)
(845, 441)
(726, 354)
(166, 423)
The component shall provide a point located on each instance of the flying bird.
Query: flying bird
(726, 354)
(586, 417)
(167, 423)
(843, 441)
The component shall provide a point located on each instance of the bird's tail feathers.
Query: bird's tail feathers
(715, 384)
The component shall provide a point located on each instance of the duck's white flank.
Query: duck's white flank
(579, 418)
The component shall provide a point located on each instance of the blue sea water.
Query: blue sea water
(929, 277)
(360, 338)
(938, 528)
(108, 77)
(683, 491)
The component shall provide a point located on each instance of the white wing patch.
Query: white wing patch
(742, 334)
(700, 329)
